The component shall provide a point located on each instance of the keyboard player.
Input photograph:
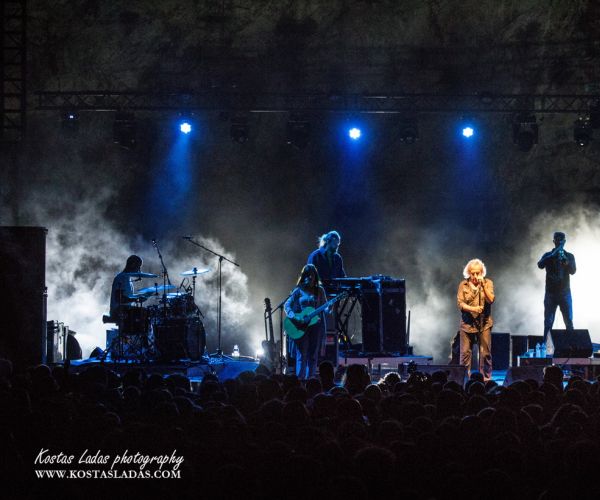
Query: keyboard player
(326, 258)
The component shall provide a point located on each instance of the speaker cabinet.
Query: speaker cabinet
(23, 285)
(456, 373)
(569, 344)
(384, 317)
(500, 350)
(515, 373)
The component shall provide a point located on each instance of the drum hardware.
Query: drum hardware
(219, 352)
(155, 290)
(141, 275)
(195, 271)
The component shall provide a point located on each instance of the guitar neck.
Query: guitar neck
(270, 319)
(320, 309)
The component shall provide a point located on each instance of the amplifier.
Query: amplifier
(383, 305)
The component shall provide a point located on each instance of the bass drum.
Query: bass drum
(180, 338)
(182, 305)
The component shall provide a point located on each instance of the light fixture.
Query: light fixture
(354, 133)
(525, 131)
(70, 120)
(298, 131)
(582, 131)
(409, 131)
(124, 130)
(239, 128)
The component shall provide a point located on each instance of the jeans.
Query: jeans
(552, 300)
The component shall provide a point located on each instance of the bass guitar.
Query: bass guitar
(296, 327)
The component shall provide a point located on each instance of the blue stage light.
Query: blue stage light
(468, 131)
(354, 133)
(185, 127)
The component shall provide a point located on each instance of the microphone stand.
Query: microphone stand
(219, 352)
(166, 278)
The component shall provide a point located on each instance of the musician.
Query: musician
(559, 266)
(475, 297)
(122, 286)
(308, 293)
(326, 259)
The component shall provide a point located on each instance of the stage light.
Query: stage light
(70, 120)
(525, 131)
(124, 130)
(185, 127)
(582, 131)
(468, 132)
(354, 133)
(298, 131)
(239, 129)
(409, 132)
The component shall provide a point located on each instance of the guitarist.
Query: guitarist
(308, 293)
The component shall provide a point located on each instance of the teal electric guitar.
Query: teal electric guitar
(296, 327)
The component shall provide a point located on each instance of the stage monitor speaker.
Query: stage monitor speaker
(569, 344)
(518, 348)
(456, 373)
(72, 348)
(23, 285)
(500, 350)
(384, 318)
(515, 373)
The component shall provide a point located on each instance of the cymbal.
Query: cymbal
(139, 296)
(156, 289)
(141, 275)
(174, 295)
(196, 271)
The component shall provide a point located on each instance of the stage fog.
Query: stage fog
(418, 212)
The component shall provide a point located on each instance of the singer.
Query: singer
(474, 299)
(559, 266)
(308, 293)
(122, 286)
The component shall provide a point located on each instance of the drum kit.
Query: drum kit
(170, 329)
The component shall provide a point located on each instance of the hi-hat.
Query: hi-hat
(156, 289)
(196, 271)
(141, 275)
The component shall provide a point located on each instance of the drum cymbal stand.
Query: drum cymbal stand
(219, 352)
(166, 279)
(194, 294)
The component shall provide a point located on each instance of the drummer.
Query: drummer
(122, 287)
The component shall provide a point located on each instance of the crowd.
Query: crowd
(272, 436)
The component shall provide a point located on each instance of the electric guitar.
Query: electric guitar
(296, 327)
